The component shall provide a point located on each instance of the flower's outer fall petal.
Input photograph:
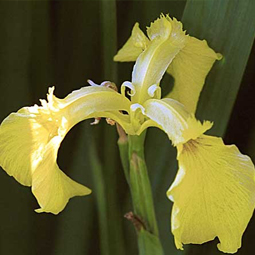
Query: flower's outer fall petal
(172, 117)
(133, 47)
(189, 69)
(167, 39)
(48, 179)
(16, 147)
(213, 194)
(30, 139)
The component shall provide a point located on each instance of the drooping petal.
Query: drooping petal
(213, 194)
(167, 39)
(17, 143)
(30, 139)
(51, 187)
(133, 47)
(189, 69)
(171, 116)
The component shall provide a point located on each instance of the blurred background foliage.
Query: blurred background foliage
(63, 43)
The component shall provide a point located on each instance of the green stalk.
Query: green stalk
(108, 23)
(140, 184)
(143, 218)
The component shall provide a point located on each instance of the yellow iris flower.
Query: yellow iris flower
(214, 190)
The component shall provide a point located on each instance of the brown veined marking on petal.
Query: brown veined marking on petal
(110, 121)
(110, 85)
(191, 147)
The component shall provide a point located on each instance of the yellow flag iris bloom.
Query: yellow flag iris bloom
(214, 190)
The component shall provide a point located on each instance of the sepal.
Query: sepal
(213, 194)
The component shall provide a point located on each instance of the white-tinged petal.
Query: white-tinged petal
(167, 39)
(171, 116)
(154, 91)
(129, 85)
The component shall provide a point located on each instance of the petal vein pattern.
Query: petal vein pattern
(213, 194)
(30, 139)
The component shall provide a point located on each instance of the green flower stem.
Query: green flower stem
(140, 184)
(143, 218)
(108, 24)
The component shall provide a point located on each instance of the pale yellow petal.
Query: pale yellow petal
(167, 39)
(213, 194)
(30, 139)
(189, 69)
(171, 116)
(90, 102)
(133, 47)
(17, 142)
(51, 187)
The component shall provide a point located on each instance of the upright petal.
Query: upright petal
(172, 117)
(189, 69)
(134, 46)
(30, 139)
(189, 62)
(167, 39)
(213, 194)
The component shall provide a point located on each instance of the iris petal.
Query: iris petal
(167, 39)
(172, 117)
(191, 59)
(189, 69)
(51, 187)
(133, 47)
(30, 139)
(213, 194)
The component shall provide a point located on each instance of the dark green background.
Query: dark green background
(63, 43)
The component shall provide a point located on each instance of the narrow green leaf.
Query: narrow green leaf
(108, 24)
(101, 197)
(149, 244)
(108, 20)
